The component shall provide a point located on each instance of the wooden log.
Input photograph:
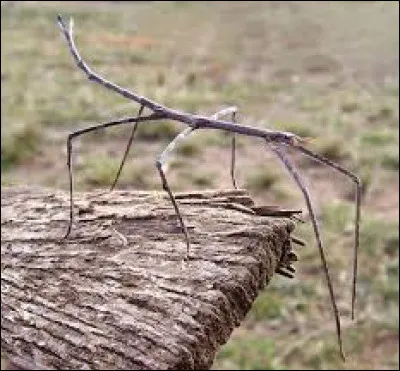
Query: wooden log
(117, 294)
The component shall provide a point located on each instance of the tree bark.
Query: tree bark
(117, 293)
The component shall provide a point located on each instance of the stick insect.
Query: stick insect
(276, 141)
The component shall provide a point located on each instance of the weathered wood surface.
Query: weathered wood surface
(117, 294)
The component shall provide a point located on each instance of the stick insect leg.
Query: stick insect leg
(87, 130)
(160, 163)
(358, 185)
(128, 147)
(233, 158)
(278, 150)
(230, 110)
(233, 154)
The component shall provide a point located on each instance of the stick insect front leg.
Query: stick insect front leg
(230, 111)
(161, 160)
(280, 153)
(89, 129)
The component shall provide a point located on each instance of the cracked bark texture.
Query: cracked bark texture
(116, 294)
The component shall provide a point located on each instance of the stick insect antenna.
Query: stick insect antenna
(279, 151)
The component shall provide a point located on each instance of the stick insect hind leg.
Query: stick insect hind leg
(89, 129)
(358, 188)
(161, 160)
(280, 153)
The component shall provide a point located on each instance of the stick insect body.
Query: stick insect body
(276, 141)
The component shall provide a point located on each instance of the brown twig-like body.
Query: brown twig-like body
(276, 140)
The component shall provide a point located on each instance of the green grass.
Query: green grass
(189, 149)
(267, 307)
(158, 130)
(332, 148)
(261, 179)
(197, 178)
(251, 353)
(378, 137)
(388, 283)
(99, 171)
(203, 180)
(337, 216)
(390, 161)
(379, 236)
(18, 143)
(295, 128)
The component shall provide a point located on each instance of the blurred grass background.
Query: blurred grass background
(325, 70)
